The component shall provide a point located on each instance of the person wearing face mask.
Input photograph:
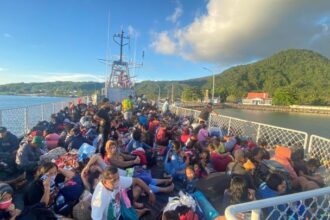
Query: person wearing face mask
(7, 208)
(42, 188)
(107, 194)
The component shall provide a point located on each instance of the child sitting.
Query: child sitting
(176, 161)
(190, 180)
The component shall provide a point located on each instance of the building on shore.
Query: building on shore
(257, 98)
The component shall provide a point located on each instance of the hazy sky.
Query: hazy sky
(47, 40)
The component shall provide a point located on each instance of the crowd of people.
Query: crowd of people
(96, 162)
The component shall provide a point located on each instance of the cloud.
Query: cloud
(178, 11)
(7, 35)
(68, 76)
(163, 44)
(236, 31)
(132, 31)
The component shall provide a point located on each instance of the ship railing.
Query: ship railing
(20, 120)
(272, 135)
(314, 204)
(318, 147)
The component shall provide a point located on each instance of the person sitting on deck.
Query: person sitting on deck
(28, 154)
(190, 180)
(161, 135)
(203, 135)
(185, 135)
(7, 207)
(74, 140)
(42, 188)
(118, 159)
(175, 163)
(273, 187)
(237, 166)
(136, 142)
(238, 192)
(8, 147)
(218, 161)
(51, 139)
(111, 190)
(92, 171)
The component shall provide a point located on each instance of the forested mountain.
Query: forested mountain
(294, 76)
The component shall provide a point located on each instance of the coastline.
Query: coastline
(317, 110)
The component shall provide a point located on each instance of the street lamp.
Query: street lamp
(212, 82)
(158, 93)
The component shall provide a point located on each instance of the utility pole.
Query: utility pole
(213, 89)
(213, 81)
(172, 93)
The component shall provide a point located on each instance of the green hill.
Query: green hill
(52, 88)
(293, 76)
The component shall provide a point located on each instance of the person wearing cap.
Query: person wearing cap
(8, 147)
(7, 207)
(28, 154)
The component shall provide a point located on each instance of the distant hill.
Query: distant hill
(52, 88)
(293, 76)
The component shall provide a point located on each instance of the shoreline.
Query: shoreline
(315, 110)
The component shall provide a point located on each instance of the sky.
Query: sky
(63, 40)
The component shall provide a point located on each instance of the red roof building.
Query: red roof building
(257, 98)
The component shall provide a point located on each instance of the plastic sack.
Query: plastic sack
(85, 151)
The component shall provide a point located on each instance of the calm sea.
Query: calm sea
(8, 101)
(312, 124)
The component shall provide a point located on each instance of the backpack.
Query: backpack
(268, 167)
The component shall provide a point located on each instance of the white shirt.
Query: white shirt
(165, 107)
(102, 198)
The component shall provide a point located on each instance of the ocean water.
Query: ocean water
(9, 101)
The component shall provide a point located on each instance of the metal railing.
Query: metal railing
(314, 204)
(273, 135)
(319, 147)
(19, 120)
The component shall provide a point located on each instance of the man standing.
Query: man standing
(107, 194)
(205, 113)
(165, 107)
(127, 108)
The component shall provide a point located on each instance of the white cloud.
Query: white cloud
(178, 11)
(7, 35)
(236, 31)
(132, 31)
(163, 44)
(78, 77)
